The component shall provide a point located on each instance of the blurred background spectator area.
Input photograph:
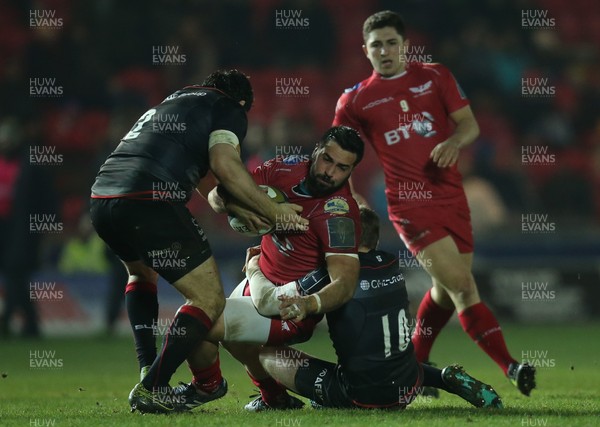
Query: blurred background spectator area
(113, 59)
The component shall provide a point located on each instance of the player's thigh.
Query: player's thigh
(240, 290)
(282, 332)
(168, 239)
(202, 288)
(242, 323)
(164, 236)
(442, 260)
(246, 354)
(467, 260)
(282, 363)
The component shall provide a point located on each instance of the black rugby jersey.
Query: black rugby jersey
(371, 333)
(165, 154)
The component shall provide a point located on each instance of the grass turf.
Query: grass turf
(95, 375)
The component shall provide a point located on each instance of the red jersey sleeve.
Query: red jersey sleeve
(450, 91)
(339, 233)
(343, 111)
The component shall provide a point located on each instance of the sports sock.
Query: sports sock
(189, 327)
(208, 379)
(432, 377)
(271, 391)
(431, 318)
(142, 308)
(483, 328)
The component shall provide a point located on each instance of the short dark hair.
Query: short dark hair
(233, 83)
(385, 18)
(347, 138)
(369, 222)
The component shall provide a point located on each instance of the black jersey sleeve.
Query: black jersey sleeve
(227, 115)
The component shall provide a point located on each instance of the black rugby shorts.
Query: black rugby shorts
(165, 236)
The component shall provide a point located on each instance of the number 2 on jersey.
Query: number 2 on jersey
(403, 333)
(135, 130)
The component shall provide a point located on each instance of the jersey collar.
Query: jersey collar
(394, 77)
(301, 189)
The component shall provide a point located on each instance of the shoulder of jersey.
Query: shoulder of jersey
(434, 67)
(386, 256)
(353, 88)
(194, 91)
(285, 173)
(286, 163)
(359, 86)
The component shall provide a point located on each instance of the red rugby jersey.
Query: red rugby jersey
(334, 224)
(404, 118)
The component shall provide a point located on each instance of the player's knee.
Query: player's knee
(460, 282)
(244, 353)
(211, 305)
(141, 273)
(150, 276)
(265, 358)
(300, 332)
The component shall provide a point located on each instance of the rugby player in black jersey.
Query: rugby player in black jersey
(376, 368)
(371, 334)
(138, 208)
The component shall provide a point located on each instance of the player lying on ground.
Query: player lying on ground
(330, 238)
(376, 366)
(371, 336)
(418, 119)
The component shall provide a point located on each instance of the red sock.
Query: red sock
(483, 328)
(431, 318)
(271, 391)
(208, 379)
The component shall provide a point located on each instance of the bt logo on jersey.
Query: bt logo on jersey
(416, 123)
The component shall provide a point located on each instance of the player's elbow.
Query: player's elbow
(348, 290)
(263, 303)
(475, 130)
(216, 202)
(222, 168)
(473, 127)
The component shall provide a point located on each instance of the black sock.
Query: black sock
(188, 328)
(432, 377)
(142, 309)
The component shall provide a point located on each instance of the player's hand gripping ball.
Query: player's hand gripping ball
(274, 194)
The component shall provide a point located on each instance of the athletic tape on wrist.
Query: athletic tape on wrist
(318, 298)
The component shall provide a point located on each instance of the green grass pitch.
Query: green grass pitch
(91, 378)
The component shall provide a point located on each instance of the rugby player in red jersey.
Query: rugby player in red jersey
(417, 119)
(331, 239)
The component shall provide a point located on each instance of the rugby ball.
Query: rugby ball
(274, 194)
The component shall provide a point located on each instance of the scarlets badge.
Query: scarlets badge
(336, 206)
